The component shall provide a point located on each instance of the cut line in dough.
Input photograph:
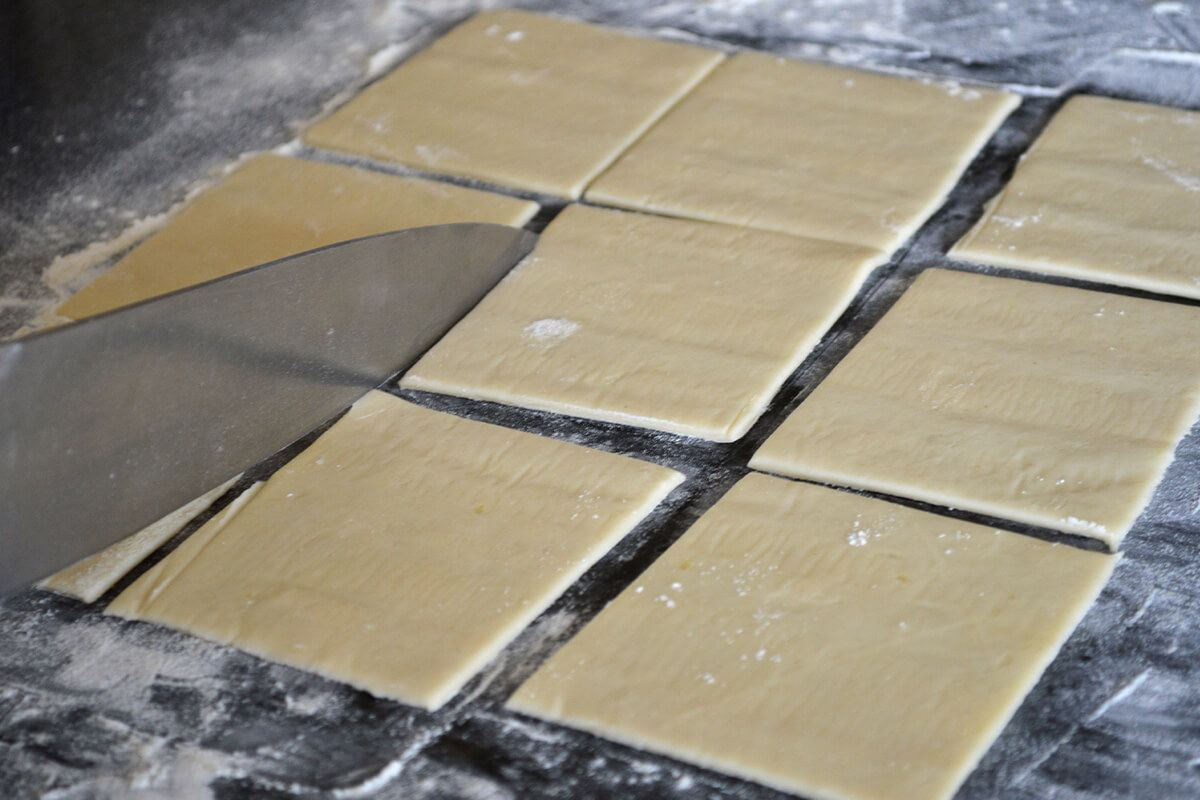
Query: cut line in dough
(1109, 192)
(1043, 404)
(90, 578)
(676, 325)
(824, 643)
(518, 99)
(807, 149)
(402, 550)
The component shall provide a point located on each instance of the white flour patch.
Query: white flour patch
(386, 58)
(432, 154)
(1075, 523)
(1016, 222)
(1173, 171)
(73, 270)
(379, 780)
(956, 89)
(164, 771)
(550, 331)
(290, 149)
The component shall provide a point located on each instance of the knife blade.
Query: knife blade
(109, 424)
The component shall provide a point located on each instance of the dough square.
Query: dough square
(1045, 404)
(807, 149)
(519, 99)
(1109, 192)
(274, 207)
(401, 551)
(824, 643)
(681, 326)
(91, 577)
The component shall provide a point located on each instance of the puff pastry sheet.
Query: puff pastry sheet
(274, 207)
(823, 643)
(519, 99)
(676, 325)
(401, 551)
(807, 149)
(1109, 192)
(1044, 404)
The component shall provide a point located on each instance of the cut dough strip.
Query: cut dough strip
(90, 578)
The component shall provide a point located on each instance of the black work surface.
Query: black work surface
(110, 112)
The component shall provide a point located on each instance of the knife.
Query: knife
(111, 423)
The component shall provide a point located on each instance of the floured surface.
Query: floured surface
(1044, 404)
(275, 207)
(86, 580)
(808, 149)
(1109, 192)
(401, 550)
(676, 325)
(823, 643)
(520, 99)
(1115, 714)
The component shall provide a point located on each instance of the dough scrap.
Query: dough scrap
(519, 99)
(681, 326)
(275, 207)
(807, 149)
(90, 578)
(402, 550)
(1109, 192)
(823, 643)
(1045, 404)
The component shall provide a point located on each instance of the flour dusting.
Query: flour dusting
(549, 331)
(1173, 171)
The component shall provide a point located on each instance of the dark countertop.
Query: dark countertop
(111, 112)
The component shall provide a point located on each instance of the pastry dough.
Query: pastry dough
(402, 550)
(807, 149)
(681, 326)
(1109, 192)
(1045, 404)
(823, 643)
(519, 99)
(90, 578)
(274, 207)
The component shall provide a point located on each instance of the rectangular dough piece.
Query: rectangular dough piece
(1045, 404)
(807, 149)
(274, 207)
(518, 99)
(402, 550)
(823, 643)
(90, 578)
(676, 325)
(1109, 192)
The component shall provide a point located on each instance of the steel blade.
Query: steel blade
(111, 423)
